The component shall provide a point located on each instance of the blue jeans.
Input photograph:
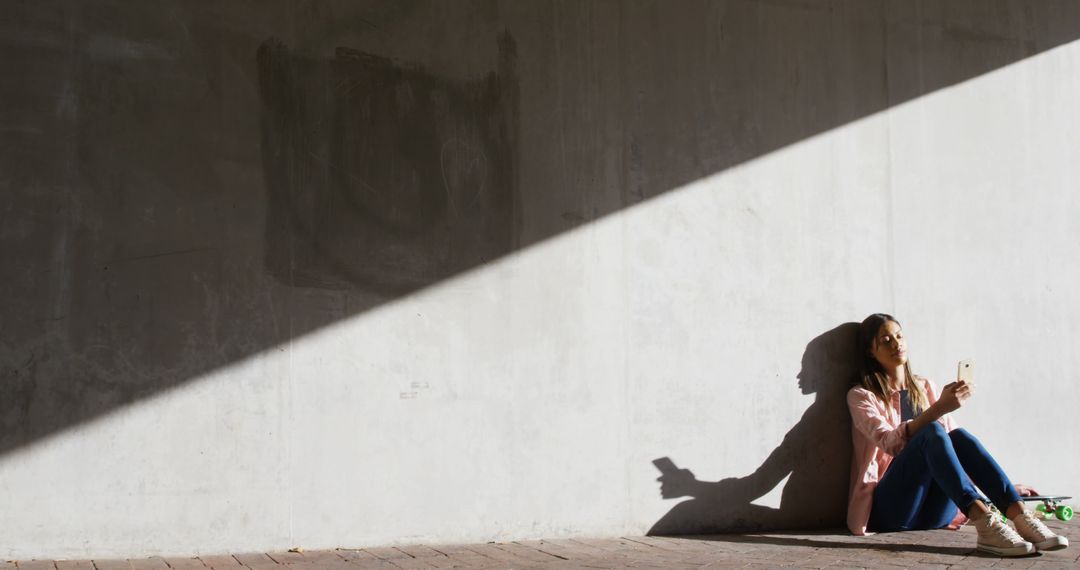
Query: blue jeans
(932, 476)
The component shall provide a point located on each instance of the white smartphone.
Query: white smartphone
(965, 371)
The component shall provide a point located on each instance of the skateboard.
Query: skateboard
(1050, 506)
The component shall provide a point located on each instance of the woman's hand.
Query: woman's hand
(1025, 491)
(953, 396)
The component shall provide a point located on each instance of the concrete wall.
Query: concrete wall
(352, 273)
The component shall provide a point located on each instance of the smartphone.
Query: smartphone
(665, 465)
(965, 371)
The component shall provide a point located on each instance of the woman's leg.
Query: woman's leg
(909, 495)
(984, 470)
(937, 512)
(903, 499)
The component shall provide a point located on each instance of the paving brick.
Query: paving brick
(526, 553)
(185, 564)
(420, 551)
(286, 557)
(724, 564)
(387, 553)
(257, 561)
(374, 564)
(469, 559)
(371, 564)
(1016, 563)
(155, 563)
(112, 565)
(578, 551)
(399, 558)
(619, 546)
(36, 565)
(654, 542)
(555, 551)
(321, 558)
(71, 565)
(490, 552)
(363, 560)
(219, 562)
(686, 545)
(412, 564)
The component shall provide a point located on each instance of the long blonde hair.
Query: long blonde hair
(872, 376)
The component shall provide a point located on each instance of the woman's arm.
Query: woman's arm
(924, 419)
(951, 398)
(867, 418)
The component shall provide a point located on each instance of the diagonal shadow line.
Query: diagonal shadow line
(167, 221)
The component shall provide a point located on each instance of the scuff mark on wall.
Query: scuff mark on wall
(381, 176)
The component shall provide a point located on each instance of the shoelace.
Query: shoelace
(1003, 530)
(1037, 526)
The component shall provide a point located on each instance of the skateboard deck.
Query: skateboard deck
(1050, 506)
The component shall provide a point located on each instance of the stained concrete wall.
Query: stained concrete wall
(351, 273)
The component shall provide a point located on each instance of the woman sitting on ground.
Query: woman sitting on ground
(912, 473)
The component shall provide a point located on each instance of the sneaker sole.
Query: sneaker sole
(1007, 552)
(1056, 543)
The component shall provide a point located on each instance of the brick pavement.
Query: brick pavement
(924, 549)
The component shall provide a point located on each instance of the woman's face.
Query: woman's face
(889, 347)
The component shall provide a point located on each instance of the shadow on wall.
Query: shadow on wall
(816, 453)
(186, 184)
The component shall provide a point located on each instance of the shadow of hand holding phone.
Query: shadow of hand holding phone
(815, 456)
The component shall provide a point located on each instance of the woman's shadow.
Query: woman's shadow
(816, 453)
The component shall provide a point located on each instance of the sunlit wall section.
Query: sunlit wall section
(986, 238)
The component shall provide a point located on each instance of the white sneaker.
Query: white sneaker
(997, 537)
(1034, 531)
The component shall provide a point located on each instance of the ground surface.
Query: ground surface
(926, 549)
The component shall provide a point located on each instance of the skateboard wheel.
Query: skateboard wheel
(1064, 512)
(1043, 510)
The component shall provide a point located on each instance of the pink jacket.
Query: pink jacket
(877, 434)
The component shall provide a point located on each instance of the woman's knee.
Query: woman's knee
(931, 431)
(935, 429)
(961, 434)
(963, 438)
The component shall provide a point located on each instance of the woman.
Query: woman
(912, 468)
